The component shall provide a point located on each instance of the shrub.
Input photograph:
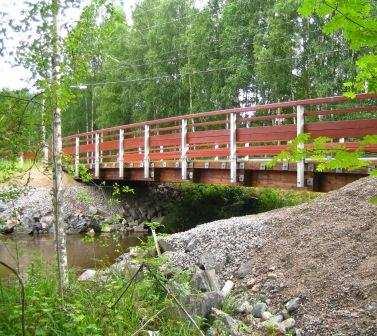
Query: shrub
(86, 308)
(200, 203)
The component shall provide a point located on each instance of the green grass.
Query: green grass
(373, 200)
(85, 308)
(8, 169)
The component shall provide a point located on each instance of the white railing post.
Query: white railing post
(184, 149)
(77, 156)
(233, 147)
(96, 155)
(146, 151)
(121, 153)
(300, 123)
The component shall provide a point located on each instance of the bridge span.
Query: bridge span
(229, 146)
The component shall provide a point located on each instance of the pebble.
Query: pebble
(258, 309)
(245, 308)
(292, 304)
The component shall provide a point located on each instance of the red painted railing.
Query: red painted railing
(231, 135)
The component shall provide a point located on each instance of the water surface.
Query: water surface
(83, 253)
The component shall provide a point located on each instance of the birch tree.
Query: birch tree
(60, 239)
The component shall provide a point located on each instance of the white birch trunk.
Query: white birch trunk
(60, 239)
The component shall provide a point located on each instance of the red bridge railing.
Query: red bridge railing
(230, 136)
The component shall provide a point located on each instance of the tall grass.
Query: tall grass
(86, 307)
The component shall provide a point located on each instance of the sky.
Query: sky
(16, 77)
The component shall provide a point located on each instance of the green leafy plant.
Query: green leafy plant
(326, 155)
(84, 197)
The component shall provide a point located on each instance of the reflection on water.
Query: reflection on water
(82, 253)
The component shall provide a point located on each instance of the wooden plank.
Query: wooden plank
(87, 148)
(134, 142)
(173, 155)
(208, 137)
(109, 145)
(342, 129)
(266, 133)
(207, 153)
(165, 140)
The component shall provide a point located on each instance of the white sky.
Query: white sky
(16, 77)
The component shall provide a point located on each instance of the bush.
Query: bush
(201, 203)
(9, 168)
(86, 307)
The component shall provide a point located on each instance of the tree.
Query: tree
(357, 20)
(60, 239)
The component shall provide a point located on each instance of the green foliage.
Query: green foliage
(84, 197)
(9, 168)
(326, 156)
(10, 194)
(357, 20)
(199, 203)
(84, 173)
(85, 309)
(20, 123)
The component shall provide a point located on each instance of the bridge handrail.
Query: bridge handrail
(238, 110)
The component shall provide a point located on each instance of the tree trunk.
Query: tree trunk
(60, 240)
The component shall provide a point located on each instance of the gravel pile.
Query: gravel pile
(324, 252)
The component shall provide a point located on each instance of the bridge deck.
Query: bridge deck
(228, 146)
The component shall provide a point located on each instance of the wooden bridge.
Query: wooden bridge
(229, 146)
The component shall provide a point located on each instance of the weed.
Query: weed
(373, 200)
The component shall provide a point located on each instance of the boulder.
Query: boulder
(258, 309)
(232, 325)
(245, 308)
(202, 304)
(225, 291)
(88, 275)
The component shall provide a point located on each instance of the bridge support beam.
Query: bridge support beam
(184, 149)
(77, 156)
(233, 147)
(96, 155)
(300, 123)
(121, 154)
(146, 152)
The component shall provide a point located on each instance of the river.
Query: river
(83, 253)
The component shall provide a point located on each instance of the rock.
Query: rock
(285, 314)
(191, 245)
(199, 281)
(225, 291)
(153, 333)
(207, 261)
(258, 309)
(165, 245)
(212, 280)
(292, 304)
(88, 275)
(231, 324)
(202, 304)
(9, 226)
(286, 325)
(298, 332)
(3, 206)
(244, 270)
(266, 315)
(245, 308)
(46, 221)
